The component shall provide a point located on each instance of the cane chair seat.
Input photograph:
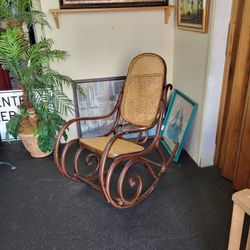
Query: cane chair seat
(120, 147)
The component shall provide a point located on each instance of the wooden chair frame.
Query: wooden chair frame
(100, 179)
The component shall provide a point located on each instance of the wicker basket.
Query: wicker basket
(30, 142)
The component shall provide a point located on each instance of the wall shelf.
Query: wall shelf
(57, 12)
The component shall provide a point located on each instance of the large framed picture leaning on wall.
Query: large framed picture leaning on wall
(71, 4)
(101, 95)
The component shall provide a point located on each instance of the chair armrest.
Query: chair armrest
(67, 124)
(77, 119)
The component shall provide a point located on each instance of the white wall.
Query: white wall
(102, 44)
(219, 24)
(198, 71)
(190, 67)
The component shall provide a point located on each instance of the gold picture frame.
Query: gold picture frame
(193, 15)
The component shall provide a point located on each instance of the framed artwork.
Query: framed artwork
(71, 4)
(101, 95)
(177, 121)
(193, 15)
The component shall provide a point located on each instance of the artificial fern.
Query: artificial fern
(42, 86)
(20, 11)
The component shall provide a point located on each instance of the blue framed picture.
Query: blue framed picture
(177, 122)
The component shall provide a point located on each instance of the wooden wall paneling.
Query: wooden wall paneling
(242, 173)
(231, 53)
(238, 96)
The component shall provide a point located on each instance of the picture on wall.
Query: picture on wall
(193, 15)
(69, 4)
(177, 121)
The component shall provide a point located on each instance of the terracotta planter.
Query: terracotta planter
(30, 142)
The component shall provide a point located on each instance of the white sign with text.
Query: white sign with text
(9, 102)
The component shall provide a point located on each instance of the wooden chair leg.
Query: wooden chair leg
(236, 228)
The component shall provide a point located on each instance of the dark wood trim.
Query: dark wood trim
(77, 114)
(242, 171)
(5, 82)
(229, 71)
(32, 36)
(101, 79)
(234, 91)
(65, 5)
(238, 97)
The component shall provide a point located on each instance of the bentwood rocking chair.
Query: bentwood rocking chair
(142, 104)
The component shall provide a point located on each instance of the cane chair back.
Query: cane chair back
(143, 89)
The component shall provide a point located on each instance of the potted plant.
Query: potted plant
(44, 102)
